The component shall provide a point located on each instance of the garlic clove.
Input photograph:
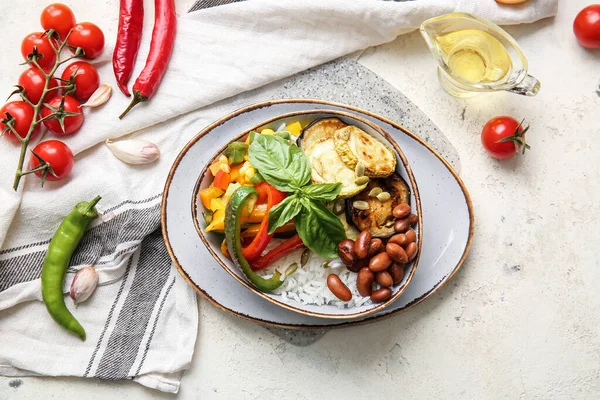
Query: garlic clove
(83, 285)
(99, 97)
(134, 151)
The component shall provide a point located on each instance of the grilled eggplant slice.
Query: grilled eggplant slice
(354, 145)
(328, 167)
(378, 218)
(319, 130)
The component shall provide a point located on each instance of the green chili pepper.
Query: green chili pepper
(233, 220)
(61, 248)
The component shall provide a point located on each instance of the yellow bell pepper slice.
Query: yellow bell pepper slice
(208, 194)
(294, 128)
(218, 222)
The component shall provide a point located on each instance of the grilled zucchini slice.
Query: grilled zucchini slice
(319, 130)
(354, 145)
(328, 167)
(378, 218)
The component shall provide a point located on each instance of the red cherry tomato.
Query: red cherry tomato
(71, 123)
(89, 37)
(587, 27)
(58, 17)
(87, 79)
(503, 128)
(33, 81)
(39, 41)
(58, 155)
(23, 115)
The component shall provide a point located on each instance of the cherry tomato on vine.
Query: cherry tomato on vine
(58, 17)
(23, 115)
(58, 155)
(587, 27)
(71, 123)
(33, 81)
(41, 42)
(87, 79)
(89, 37)
(503, 137)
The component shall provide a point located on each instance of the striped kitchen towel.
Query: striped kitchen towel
(141, 322)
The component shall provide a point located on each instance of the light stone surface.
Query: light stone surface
(521, 319)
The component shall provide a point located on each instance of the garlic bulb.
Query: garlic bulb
(99, 97)
(134, 151)
(83, 285)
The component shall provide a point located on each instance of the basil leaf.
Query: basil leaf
(319, 229)
(281, 163)
(283, 212)
(322, 191)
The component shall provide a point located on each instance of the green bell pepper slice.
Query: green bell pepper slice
(233, 220)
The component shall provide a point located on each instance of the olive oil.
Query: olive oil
(475, 56)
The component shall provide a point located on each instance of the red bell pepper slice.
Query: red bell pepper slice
(262, 239)
(222, 180)
(278, 252)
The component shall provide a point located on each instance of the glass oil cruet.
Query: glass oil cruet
(475, 55)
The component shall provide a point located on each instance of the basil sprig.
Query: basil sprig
(285, 166)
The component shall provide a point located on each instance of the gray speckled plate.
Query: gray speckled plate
(446, 212)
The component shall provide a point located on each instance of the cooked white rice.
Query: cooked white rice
(308, 285)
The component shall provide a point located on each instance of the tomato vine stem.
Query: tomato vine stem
(37, 107)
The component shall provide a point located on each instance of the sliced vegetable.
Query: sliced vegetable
(328, 167)
(295, 128)
(218, 221)
(267, 131)
(235, 152)
(317, 131)
(284, 231)
(222, 180)
(256, 178)
(233, 220)
(376, 217)
(206, 195)
(233, 186)
(221, 163)
(355, 145)
(285, 248)
(262, 238)
(217, 204)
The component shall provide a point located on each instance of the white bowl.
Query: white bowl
(213, 241)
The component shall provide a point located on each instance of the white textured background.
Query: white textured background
(519, 321)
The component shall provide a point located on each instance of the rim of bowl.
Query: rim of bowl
(305, 327)
(265, 296)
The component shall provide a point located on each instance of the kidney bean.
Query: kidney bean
(380, 262)
(381, 295)
(396, 253)
(411, 251)
(358, 265)
(375, 247)
(364, 282)
(384, 279)
(399, 239)
(338, 288)
(401, 211)
(411, 236)
(362, 243)
(403, 224)
(397, 273)
(346, 251)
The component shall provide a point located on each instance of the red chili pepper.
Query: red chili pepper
(278, 252)
(161, 46)
(262, 239)
(131, 20)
